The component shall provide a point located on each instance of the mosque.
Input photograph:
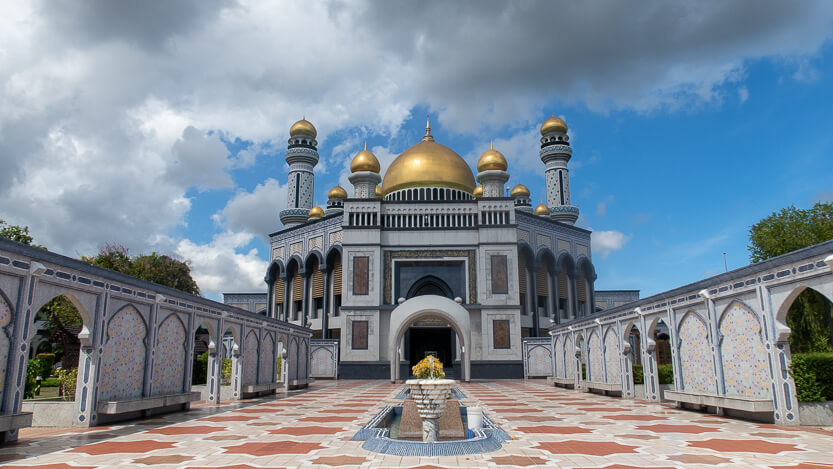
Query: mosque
(430, 258)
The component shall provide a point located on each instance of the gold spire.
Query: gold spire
(428, 137)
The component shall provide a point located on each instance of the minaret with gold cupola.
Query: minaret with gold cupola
(555, 153)
(301, 156)
(364, 174)
(491, 172)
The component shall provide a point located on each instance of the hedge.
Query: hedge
(638, 375)
(813, 376)
(666, 373)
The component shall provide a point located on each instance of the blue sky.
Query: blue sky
(689, 123)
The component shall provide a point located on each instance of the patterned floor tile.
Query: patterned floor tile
(187, 430)
(152, 460)
(275, 447)
(113, 447)
(743, 446)
(594, 448)
(698, 459)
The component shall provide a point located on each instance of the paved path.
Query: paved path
(551, 427)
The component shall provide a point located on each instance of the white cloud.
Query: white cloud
(200, 161)
(218, 267)
(743, 94)
(97, 98)
(601, 209)
(254, 213)
(605, 242)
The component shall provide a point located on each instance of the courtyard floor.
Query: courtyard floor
(550, 427)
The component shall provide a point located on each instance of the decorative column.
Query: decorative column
(555, 153)
(301, 156)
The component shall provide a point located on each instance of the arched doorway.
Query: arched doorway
(422, 311)
(430, 285)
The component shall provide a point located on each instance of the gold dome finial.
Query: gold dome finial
(519, 191)
(428, 137)
(379, 194)
(553, 124)
(478, 192)
(303, 127)
(492, 159)
(316, 212)
(542, 210)
(337, 192)
(365, 161)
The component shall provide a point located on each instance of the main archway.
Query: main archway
(429, 307)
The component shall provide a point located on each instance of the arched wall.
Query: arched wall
(414, 309)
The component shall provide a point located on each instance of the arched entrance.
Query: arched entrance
(428, 308)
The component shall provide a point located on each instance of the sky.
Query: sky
(162, 126)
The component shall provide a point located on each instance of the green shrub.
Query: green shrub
(813, 376)
(68, 379)
(32, 387)
(225, 371)
(200, 374)
(46, 361)
(280, 360)
(583, 371)
(666, 373)
(638, 375)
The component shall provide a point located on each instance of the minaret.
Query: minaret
(491, 172)
(364, 175)
(555, 153)
(335, 200)
(301, 156)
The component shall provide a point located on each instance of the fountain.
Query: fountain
(430, 393)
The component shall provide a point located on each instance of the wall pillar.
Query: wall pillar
(213, 377)
(325, 304)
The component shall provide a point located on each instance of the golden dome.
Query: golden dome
(553, 124)
(519, 191)
(337, 192)
(542, 210)
(378, 192)
(428, 164)
(365, 161)
(303, 127)
(477, 192)
(316, 212)
(492, 159)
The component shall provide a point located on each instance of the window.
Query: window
(499, 282)
(500, 332)
(360, 275)
(359, 335)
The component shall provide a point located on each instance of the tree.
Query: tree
(153, 267)
(792, 228)
(17, 233)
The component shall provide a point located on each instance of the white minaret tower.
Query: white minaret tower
(491, 172)
(555, 153)
(301, 156)
(364, 174)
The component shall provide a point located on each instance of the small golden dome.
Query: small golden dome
(303, 127)
(542, 210)
(337, 192)
(365, 161)
(428, 164)
(316, 212)
(519, 191)
(477, 192)
(553, 124)
(492, 159)
(378, 192)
